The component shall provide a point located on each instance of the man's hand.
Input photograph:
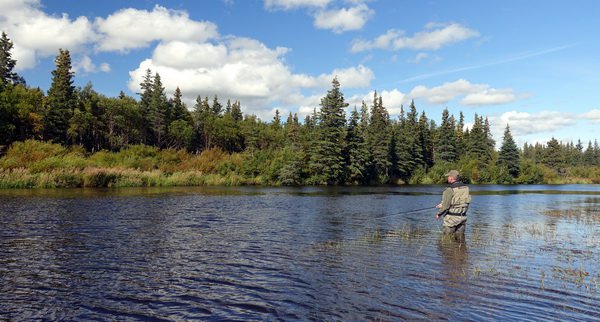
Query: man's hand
(437, 216)
(439, 205)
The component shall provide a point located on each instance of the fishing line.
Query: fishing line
(405, 212)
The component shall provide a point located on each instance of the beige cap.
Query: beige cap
(452, 173)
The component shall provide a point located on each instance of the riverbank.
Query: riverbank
(35, 164)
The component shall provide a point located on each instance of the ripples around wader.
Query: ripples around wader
(530, 252)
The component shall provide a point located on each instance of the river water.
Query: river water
(349, 253)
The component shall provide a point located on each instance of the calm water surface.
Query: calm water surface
(530, 252)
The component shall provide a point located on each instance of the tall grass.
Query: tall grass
(34, 164)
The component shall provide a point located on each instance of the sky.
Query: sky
(530, 64)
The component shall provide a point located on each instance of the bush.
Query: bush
(22, 154)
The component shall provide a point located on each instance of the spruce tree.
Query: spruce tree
(411, 135)
(179, 110)
(446, 141)
(379, 140)
(509, 154)
(357, 152)
(61, 100)
(402, 161)
(327, 162)
(236, 111)
(478, 143)
(158, 112)
(7, 64)
(553, 154)
(144, 103)
(425, 141)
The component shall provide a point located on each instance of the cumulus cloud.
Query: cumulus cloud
(393, 100)
(489, 97)
(130, 28)
(344, 19)
(338, 20)
(474, 94)
(523, 123)
(419, 58)
(434, 37)
(592, 116)
(86, 65)
(243, 69)
(105, 67)
(36, 34)
(294, 4)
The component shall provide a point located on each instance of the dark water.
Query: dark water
(530, 252)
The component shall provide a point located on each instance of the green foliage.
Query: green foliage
(113, 142)
(531, 173)
(509, 155)
(61, 100)
(327, 162)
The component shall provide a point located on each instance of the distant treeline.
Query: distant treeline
(74, 136)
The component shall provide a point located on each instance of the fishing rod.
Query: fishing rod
(406, 212)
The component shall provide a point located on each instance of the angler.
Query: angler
(454, 205)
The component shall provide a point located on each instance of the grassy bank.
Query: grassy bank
(35, 164)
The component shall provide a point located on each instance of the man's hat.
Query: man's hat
(452, 173)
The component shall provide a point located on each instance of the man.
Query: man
(454, 205)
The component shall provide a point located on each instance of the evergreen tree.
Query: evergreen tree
(460, 135)
(236, 111)
(276, 119)
(217, 108)
(446, 142)
(327, 162)
(489, 140)
(357, 152)
(509, 154)
(7, 64)
(588, 155)
(425, 141)
(379, 141)
(61, 100)
(158, 112)
(478, 144)
(411, 135)
(144, 103)
(553, 154)
(179, 110)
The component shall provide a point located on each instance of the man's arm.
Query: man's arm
(445, 204)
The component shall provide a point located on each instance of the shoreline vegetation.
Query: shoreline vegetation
(37, 164)
(77, 137)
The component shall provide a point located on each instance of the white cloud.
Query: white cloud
(352, 77)
(344, 19)
(86, 65)
(105, 67)
(489, 97)
(243, 69)
(339, 20)
(294, 4)
(130, 28)
(474, 94)
(434, 37)
(523, 123)
(393, 100)
(592, 116)
(419, 58)
(36, 34)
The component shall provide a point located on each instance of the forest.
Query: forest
(76, 137)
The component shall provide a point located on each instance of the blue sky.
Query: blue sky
(531, 64)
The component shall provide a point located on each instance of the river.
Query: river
(310, 253)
